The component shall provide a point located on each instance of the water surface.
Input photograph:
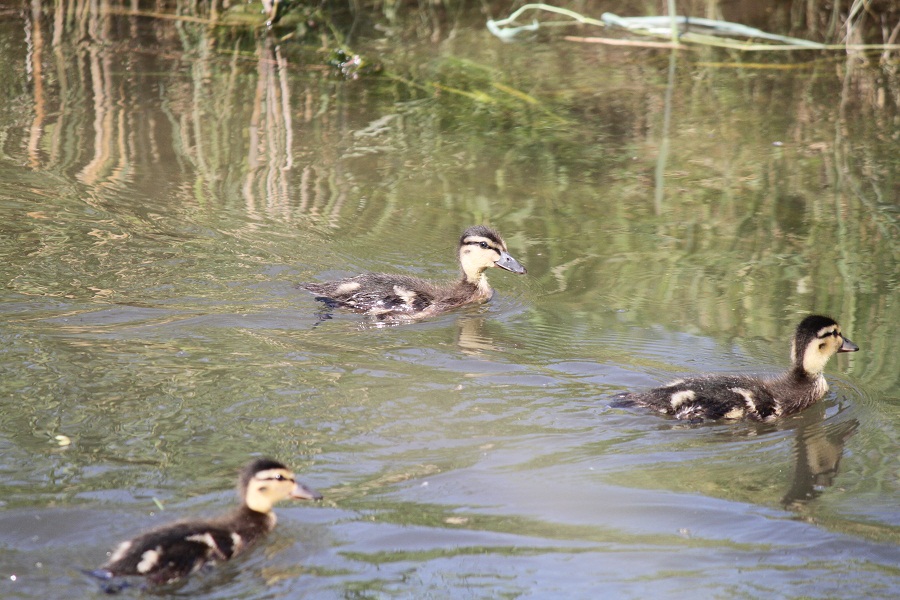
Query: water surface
(164, 187)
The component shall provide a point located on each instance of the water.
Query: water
(164, 187)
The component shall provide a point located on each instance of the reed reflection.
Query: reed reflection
(125, 103)
(270, 149)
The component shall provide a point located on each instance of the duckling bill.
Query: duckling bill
(815, 341)
(174, 551)
(402, 297)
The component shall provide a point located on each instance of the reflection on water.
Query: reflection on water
(165, 185)
(472, 336)
(818, 450)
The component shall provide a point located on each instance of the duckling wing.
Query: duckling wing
(173, 552)
(709, 398)
(378, 293)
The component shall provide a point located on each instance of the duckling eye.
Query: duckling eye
(483, 245)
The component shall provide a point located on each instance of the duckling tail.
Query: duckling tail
(623, 400)
(109, 584)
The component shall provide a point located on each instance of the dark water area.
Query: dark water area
(165, 185)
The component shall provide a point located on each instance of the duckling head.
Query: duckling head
(481, 248)
(816, 340)
(264, 482)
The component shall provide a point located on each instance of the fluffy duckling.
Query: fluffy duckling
(174, 551)
(401, 297)
(710, 397)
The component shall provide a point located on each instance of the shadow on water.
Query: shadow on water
(165, 184)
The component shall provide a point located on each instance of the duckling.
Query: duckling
(710, 397)
(401, 297)
(174, 551)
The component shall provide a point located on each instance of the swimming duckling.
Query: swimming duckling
(710, 397)
(174, 551)
(401, 297)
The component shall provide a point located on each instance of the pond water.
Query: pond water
(164, 187)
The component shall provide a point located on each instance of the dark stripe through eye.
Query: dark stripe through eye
(481, 243)
(833, 332)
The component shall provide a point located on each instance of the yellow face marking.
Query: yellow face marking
(828, 331)
(826, 343)
(476, 254)
(268, 487)
(483, 243)
(276, 474)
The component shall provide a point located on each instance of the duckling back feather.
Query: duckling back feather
(711, 397)
(389, 296)
(177, 550)
(174, 551)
